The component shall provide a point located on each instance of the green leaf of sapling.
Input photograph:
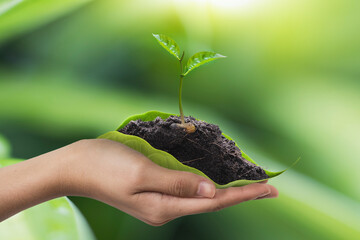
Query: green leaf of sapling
(169, 44)
(199, 59)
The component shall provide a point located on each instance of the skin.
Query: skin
(121, 177)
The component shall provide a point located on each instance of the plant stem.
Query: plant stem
(180, 89)
(180, 105)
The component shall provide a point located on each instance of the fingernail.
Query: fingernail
(206, 189)
(264, 194)
(265, 197)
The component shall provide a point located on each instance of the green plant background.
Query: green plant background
(288, 88)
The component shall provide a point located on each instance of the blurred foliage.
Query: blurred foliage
(55, 219)
(19, 16)
(4, 148)
(289, 87)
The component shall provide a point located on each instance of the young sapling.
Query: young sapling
(195, 61)
(195, 146)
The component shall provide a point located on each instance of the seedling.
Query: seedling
(207, 152)
(195, 61)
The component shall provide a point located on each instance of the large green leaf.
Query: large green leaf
(169, 44)
(165, 159)
(55, 219)
(199, 59)
(18, 16)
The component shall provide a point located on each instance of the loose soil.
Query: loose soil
(206, 149)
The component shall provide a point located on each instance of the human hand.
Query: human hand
(124, 178)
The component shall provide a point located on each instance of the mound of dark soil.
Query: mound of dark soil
(206, 149)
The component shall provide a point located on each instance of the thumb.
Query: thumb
(178, 183)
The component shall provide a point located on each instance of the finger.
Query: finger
(223, 198)
(177, 183)
(264, 181)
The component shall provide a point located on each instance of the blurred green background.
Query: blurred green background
(290, 87)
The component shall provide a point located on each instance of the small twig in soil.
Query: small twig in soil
(192, 160)
(216, 144)
(251, 169)
(177, 139)
(198, 145)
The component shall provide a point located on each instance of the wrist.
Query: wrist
(72, 173)
(51, 167)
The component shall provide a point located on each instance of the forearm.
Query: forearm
(28, 183)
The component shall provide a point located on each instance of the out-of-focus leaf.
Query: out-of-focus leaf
(18, 16)
(6, 5)
(169, 44)
(165, 159)
(4, 148)
(52, 100)
(55, 219)
(199, 59)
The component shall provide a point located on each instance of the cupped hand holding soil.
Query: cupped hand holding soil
(122, 177)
